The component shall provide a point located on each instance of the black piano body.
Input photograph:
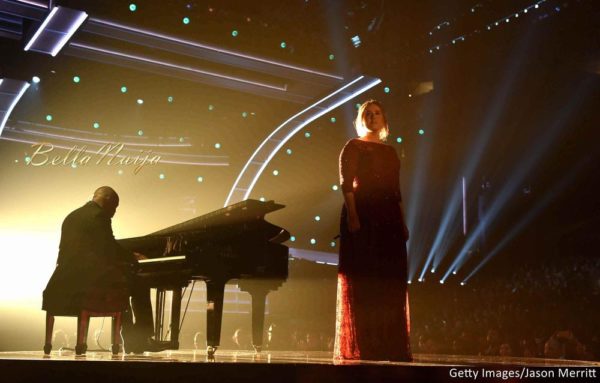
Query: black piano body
(230, 243)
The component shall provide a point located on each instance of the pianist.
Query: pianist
(89, 257)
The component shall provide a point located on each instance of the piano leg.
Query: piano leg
(258, 290)
(214, 314)
(175, 318)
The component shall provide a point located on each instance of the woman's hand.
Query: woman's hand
(353, 223)
(405, 232)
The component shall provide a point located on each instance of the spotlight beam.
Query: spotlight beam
(537, 208)
(524, 168)
(498, 104)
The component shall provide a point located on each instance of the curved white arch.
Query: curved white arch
(261, 157)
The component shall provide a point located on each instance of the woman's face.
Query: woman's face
(373, 118)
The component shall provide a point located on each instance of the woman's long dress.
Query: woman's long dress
(372, 320)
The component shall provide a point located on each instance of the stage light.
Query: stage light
(283, 44)
(420, 279)
(275, 172)
(289, 151)
(96, 125)
(200, 179)
(132, 7)
(140, 132)
(307, 134)
(76, 79)
(331, 57)
(433, 270)
(454, 272)
(386, 89)
(399, 140)
(48, 117)
(334, 188)
(356, 41)
(496, 23)
(140, 101)
(161, 176)
(262, 199)
(332, 243)
(293, 238)
(537, 6)
(462, 283)
(234, 33)
(186, 20)
(442, 281)
(123, 89)
(65, 23)
(317, 218)
(313, 241)
(36, 79)
(489, 28)
(421, 132)
(170, 99)
(120, 172)
(332, 119)
(27, 159)
(507, 20)
(217, 146)
(211, 107)
(244, 114)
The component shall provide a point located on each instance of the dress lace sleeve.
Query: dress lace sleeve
(348, 166)
(397, 192)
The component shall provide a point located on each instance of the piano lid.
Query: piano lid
(247, 210)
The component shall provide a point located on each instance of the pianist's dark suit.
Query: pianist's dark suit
(90, 257)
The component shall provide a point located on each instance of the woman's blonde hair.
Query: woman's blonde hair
(359, 121)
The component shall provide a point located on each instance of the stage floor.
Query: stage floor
(269, 366)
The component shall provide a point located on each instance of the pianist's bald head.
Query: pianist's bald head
(107, 198)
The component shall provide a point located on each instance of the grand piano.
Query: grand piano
(230, 243)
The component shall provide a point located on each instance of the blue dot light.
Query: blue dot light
(170, 99)
(386, 89)
(421, 132)
(293, 239)
(161, 176)
(313, 241)
(186, 20)
(332, 119)
(234, 33)
(307, 134)
(76, 79)
(275, 172)
(48, 117)
(399, 140)
(217, 146)
(123, 89)
(200, 179)
(140, 132)
(132, 7)
(288, 151)
(317, 218)
(283, 45)
(96, 125)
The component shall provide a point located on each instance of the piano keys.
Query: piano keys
(230, 243)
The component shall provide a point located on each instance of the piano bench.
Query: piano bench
(97, 304)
